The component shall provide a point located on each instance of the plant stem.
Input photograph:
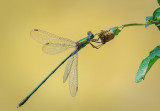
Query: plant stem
(132, 24)
(155, 22)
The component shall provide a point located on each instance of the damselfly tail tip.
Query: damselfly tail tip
(18, 106)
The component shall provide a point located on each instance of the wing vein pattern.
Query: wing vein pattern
(53, 44)
(71, 71)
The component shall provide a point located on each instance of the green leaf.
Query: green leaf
(115, 30)
(147, 24)
(149, 20)
(158, 2)
(156, 16)
(158, 27)
(147, 64)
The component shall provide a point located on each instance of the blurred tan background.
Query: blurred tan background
(106, 76)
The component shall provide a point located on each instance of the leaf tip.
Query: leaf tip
(147, 25)
(139, 79)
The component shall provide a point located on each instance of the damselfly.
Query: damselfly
(53, 44)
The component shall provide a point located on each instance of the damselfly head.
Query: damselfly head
(90, 34)
(105, 35)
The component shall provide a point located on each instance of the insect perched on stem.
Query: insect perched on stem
(53, 44)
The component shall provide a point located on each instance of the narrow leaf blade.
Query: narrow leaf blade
(147, 63)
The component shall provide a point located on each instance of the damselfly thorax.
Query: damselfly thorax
(83, 42)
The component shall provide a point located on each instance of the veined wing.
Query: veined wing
(73, 74)
(44, 37)
(54, 48)
(68, 68)
(52, 44)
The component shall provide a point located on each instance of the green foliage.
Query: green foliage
(156, 14)
(149, 20)
(158, 2)
(154, 54)
(147, 64)
(115, 30)
(156, 17)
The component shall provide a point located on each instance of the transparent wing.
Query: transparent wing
(52, 44)
(44, 37)
(68, 68)
(73, 76)
(51, 48)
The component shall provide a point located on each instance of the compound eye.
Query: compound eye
(90, 34)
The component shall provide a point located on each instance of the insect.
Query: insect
(53, 44)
